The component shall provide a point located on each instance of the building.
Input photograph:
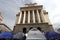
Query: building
(32, 16)
(3, 27)
(0, 17)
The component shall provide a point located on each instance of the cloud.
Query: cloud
(53, 8)
(56, 19)
(10, 8)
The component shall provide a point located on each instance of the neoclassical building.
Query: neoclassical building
(32, 16)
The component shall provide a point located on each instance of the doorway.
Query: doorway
(24, 30)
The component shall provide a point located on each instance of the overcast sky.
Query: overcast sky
(10, 8)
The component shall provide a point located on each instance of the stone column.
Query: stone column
(47, 18)
(28, 16)
(38, 16)
(19, 21)
(24, 18)
(42, 16)
(33, 16)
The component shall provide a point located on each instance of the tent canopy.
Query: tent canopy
(19, 35)
(35, 34)
(6, 35)
(51, 35)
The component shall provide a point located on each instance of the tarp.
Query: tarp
(35, 34)
(6, 35)
(18, 35)
(52, 35)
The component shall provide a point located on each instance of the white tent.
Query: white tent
(35, 34)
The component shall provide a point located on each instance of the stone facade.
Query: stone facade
(32, 16)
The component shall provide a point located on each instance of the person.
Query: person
(24, 37)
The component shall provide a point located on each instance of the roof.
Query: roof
(38, 6)
(5, 26)
(31, 4)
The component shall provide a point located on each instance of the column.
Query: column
(19, 21)
(47, 18)
(28, 16)
(42, 15)
(33, 17)
(38, 16)
(24, 18)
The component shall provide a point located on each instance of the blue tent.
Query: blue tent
(6, 35)
(52, 35)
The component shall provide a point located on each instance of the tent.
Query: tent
(18, 35)
(35, 34)
(6, 35)
(52, 35)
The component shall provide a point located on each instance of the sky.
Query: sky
(9, 9)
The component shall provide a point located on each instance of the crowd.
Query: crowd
(11, 36)
(21, 36)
